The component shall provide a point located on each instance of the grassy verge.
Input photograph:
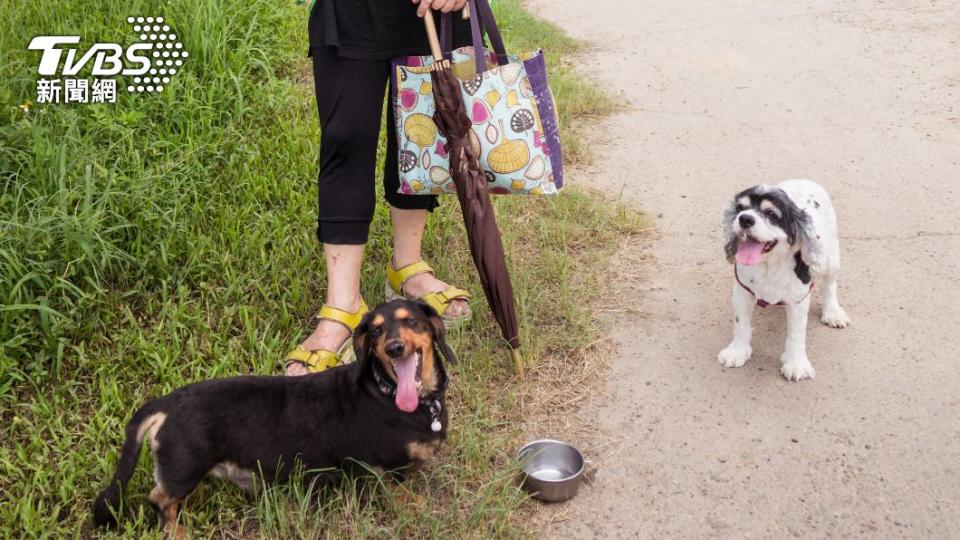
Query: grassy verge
(169, 238)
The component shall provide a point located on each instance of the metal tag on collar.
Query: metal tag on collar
(435, 409)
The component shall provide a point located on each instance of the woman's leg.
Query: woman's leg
(343, 291)
(408, 213)
(349, 102)
(407, 236)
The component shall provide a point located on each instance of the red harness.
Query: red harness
(760, 301)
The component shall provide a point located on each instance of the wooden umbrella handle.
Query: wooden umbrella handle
(432, 36)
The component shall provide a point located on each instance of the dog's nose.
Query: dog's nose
(746, 221)
(394, 348)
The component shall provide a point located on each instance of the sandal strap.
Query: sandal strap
(344, 317)
(315, 361)
(322, 359)
(396, 277)
(440, 301)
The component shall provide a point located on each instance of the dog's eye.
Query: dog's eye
(740, 207)
(772, 214)
(410, 320)
(376, 331)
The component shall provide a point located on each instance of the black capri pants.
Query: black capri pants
(350, 95)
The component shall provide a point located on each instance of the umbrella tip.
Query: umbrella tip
(517, 362)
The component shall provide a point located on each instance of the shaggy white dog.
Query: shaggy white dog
(782, 240)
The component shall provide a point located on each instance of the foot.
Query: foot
(735, 355)
(422, 284)
(834, 316)
(796, 367)
(328, 335)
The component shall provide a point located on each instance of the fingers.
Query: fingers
(424, 7)
(444, 6)
(449, 5)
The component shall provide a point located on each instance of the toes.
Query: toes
(835, 317)
(797, 371)
(733, 357)
(457, 308)
(296, 369)
(835, 320)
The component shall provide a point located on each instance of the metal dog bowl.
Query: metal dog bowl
(552, 470)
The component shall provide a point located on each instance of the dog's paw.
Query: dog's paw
(834, 316)
(734, 355)
(796, 369)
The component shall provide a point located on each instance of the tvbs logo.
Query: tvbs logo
(148, 64)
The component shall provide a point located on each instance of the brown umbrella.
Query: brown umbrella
(478, 216)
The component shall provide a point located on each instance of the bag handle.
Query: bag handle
(488, 24)
(481, 22)
(442, 47)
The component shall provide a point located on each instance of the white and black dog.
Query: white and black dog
(782, 240)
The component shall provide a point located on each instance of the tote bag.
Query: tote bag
(506, 96)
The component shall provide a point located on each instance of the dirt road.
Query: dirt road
(863, 97)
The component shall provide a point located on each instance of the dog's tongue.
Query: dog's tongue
(749, 251)
(407, 397)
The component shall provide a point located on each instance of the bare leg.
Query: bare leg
(738, 352)
(795, 365)
(407, 237)
(343, 292)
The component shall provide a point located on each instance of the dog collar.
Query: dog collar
(760, 301)
(431, 402)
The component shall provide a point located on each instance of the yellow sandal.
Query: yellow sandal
(440, 301)
(321, 359)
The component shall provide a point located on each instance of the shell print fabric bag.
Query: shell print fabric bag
(506, 96)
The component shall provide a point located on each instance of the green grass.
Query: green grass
(170, 238)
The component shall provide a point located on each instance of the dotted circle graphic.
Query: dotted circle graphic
(165, 50)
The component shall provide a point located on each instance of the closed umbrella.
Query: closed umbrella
(483, 235)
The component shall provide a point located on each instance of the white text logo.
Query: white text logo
(149, 64)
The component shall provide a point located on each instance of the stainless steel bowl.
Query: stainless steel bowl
(552, 470)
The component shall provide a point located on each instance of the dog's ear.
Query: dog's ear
(362, 346)
(799, 228)
(811, 248)
(792, 218)
(730, 241)
(439, 332)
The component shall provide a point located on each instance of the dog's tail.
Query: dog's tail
(107, 506)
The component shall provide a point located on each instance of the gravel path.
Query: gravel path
(863, 97)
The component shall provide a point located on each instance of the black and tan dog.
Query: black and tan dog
(385, 410)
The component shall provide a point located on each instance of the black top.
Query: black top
(375, 29)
